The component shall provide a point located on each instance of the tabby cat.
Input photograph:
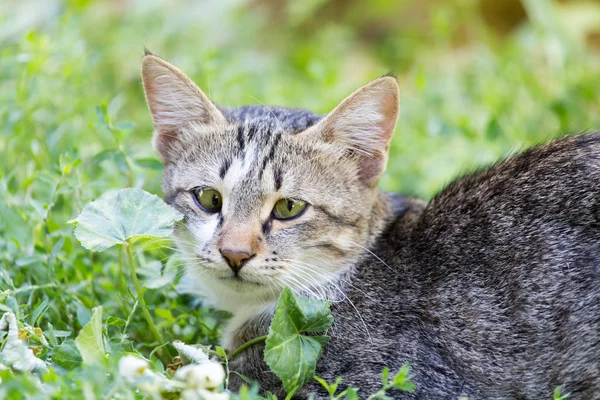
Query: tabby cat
(491, 290)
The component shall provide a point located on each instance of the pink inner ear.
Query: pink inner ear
(175, 102)
(372, 167)
(363, 125)
(389, 109)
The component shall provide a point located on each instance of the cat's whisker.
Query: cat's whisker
(373, 254)
(307, 271)
(271, 282)
(329, 273)
(355, 309)
(293, 279)
(306, 277)
(309, 277)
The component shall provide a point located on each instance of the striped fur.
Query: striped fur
(255, 156)
(490, 291)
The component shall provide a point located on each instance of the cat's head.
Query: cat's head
(271, 197)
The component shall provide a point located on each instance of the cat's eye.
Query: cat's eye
(288, 208)
(208, 199)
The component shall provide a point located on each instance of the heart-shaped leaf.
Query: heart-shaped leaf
(289, 353)
(122, 216)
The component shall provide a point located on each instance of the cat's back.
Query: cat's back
(508, 261)
(559, 179)
(547, 199)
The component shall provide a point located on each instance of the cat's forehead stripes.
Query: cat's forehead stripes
(291, 120)
(257, 137)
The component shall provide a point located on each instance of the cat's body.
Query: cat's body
(492, 290)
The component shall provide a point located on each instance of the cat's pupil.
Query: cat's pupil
(215, 200)
(290, 205)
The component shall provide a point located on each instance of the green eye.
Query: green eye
(208, 199)
(288, 208)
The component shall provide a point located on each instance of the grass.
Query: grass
(74, 125)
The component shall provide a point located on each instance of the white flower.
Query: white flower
(137, 371)
(203, 394)
(193, 353)
(207, 376)
(15, 353)
(207, 395)
(131, 367)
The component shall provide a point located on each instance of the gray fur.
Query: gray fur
(490, 291)
(494, 290)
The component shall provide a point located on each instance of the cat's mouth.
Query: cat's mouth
(236, 279)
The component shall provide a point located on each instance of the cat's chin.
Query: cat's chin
(229, 293)
(238, 280)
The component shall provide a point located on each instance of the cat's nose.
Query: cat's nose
(236, 258)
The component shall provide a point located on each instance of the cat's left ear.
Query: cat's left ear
(175, 101)
(364, 124)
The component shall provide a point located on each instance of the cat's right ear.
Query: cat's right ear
(175, 102)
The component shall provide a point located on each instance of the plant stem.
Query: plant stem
(248, 344)
(122, 281)
(12, 292)
(140, 294)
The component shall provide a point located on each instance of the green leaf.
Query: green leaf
(558, 396)
(324, 383)
(89, 342)
(66, 355)
(83, 314)
(105, 155)
(401, 375)
(402, 381)
(123, 216)
(150, 163)
(221, 352)
(38, 312)
(384, 376)
(102, 116)
(291, 355)
(405, 386)
(125, 126)
(349, 394)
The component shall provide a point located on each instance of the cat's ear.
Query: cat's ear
(364, 124)
(175, 102)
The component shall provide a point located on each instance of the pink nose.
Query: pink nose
(236, 258)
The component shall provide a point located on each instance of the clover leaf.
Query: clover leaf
(122, 216)
(291, 354)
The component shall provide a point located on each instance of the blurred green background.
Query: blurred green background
(479, 79)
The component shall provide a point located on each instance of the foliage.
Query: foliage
(90, 342)
(289, 352)
(558, 395)
(74, 126)
(400, 381)
(120, 217)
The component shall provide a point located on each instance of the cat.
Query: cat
(491, 290)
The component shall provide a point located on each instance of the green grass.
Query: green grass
(74, 124)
